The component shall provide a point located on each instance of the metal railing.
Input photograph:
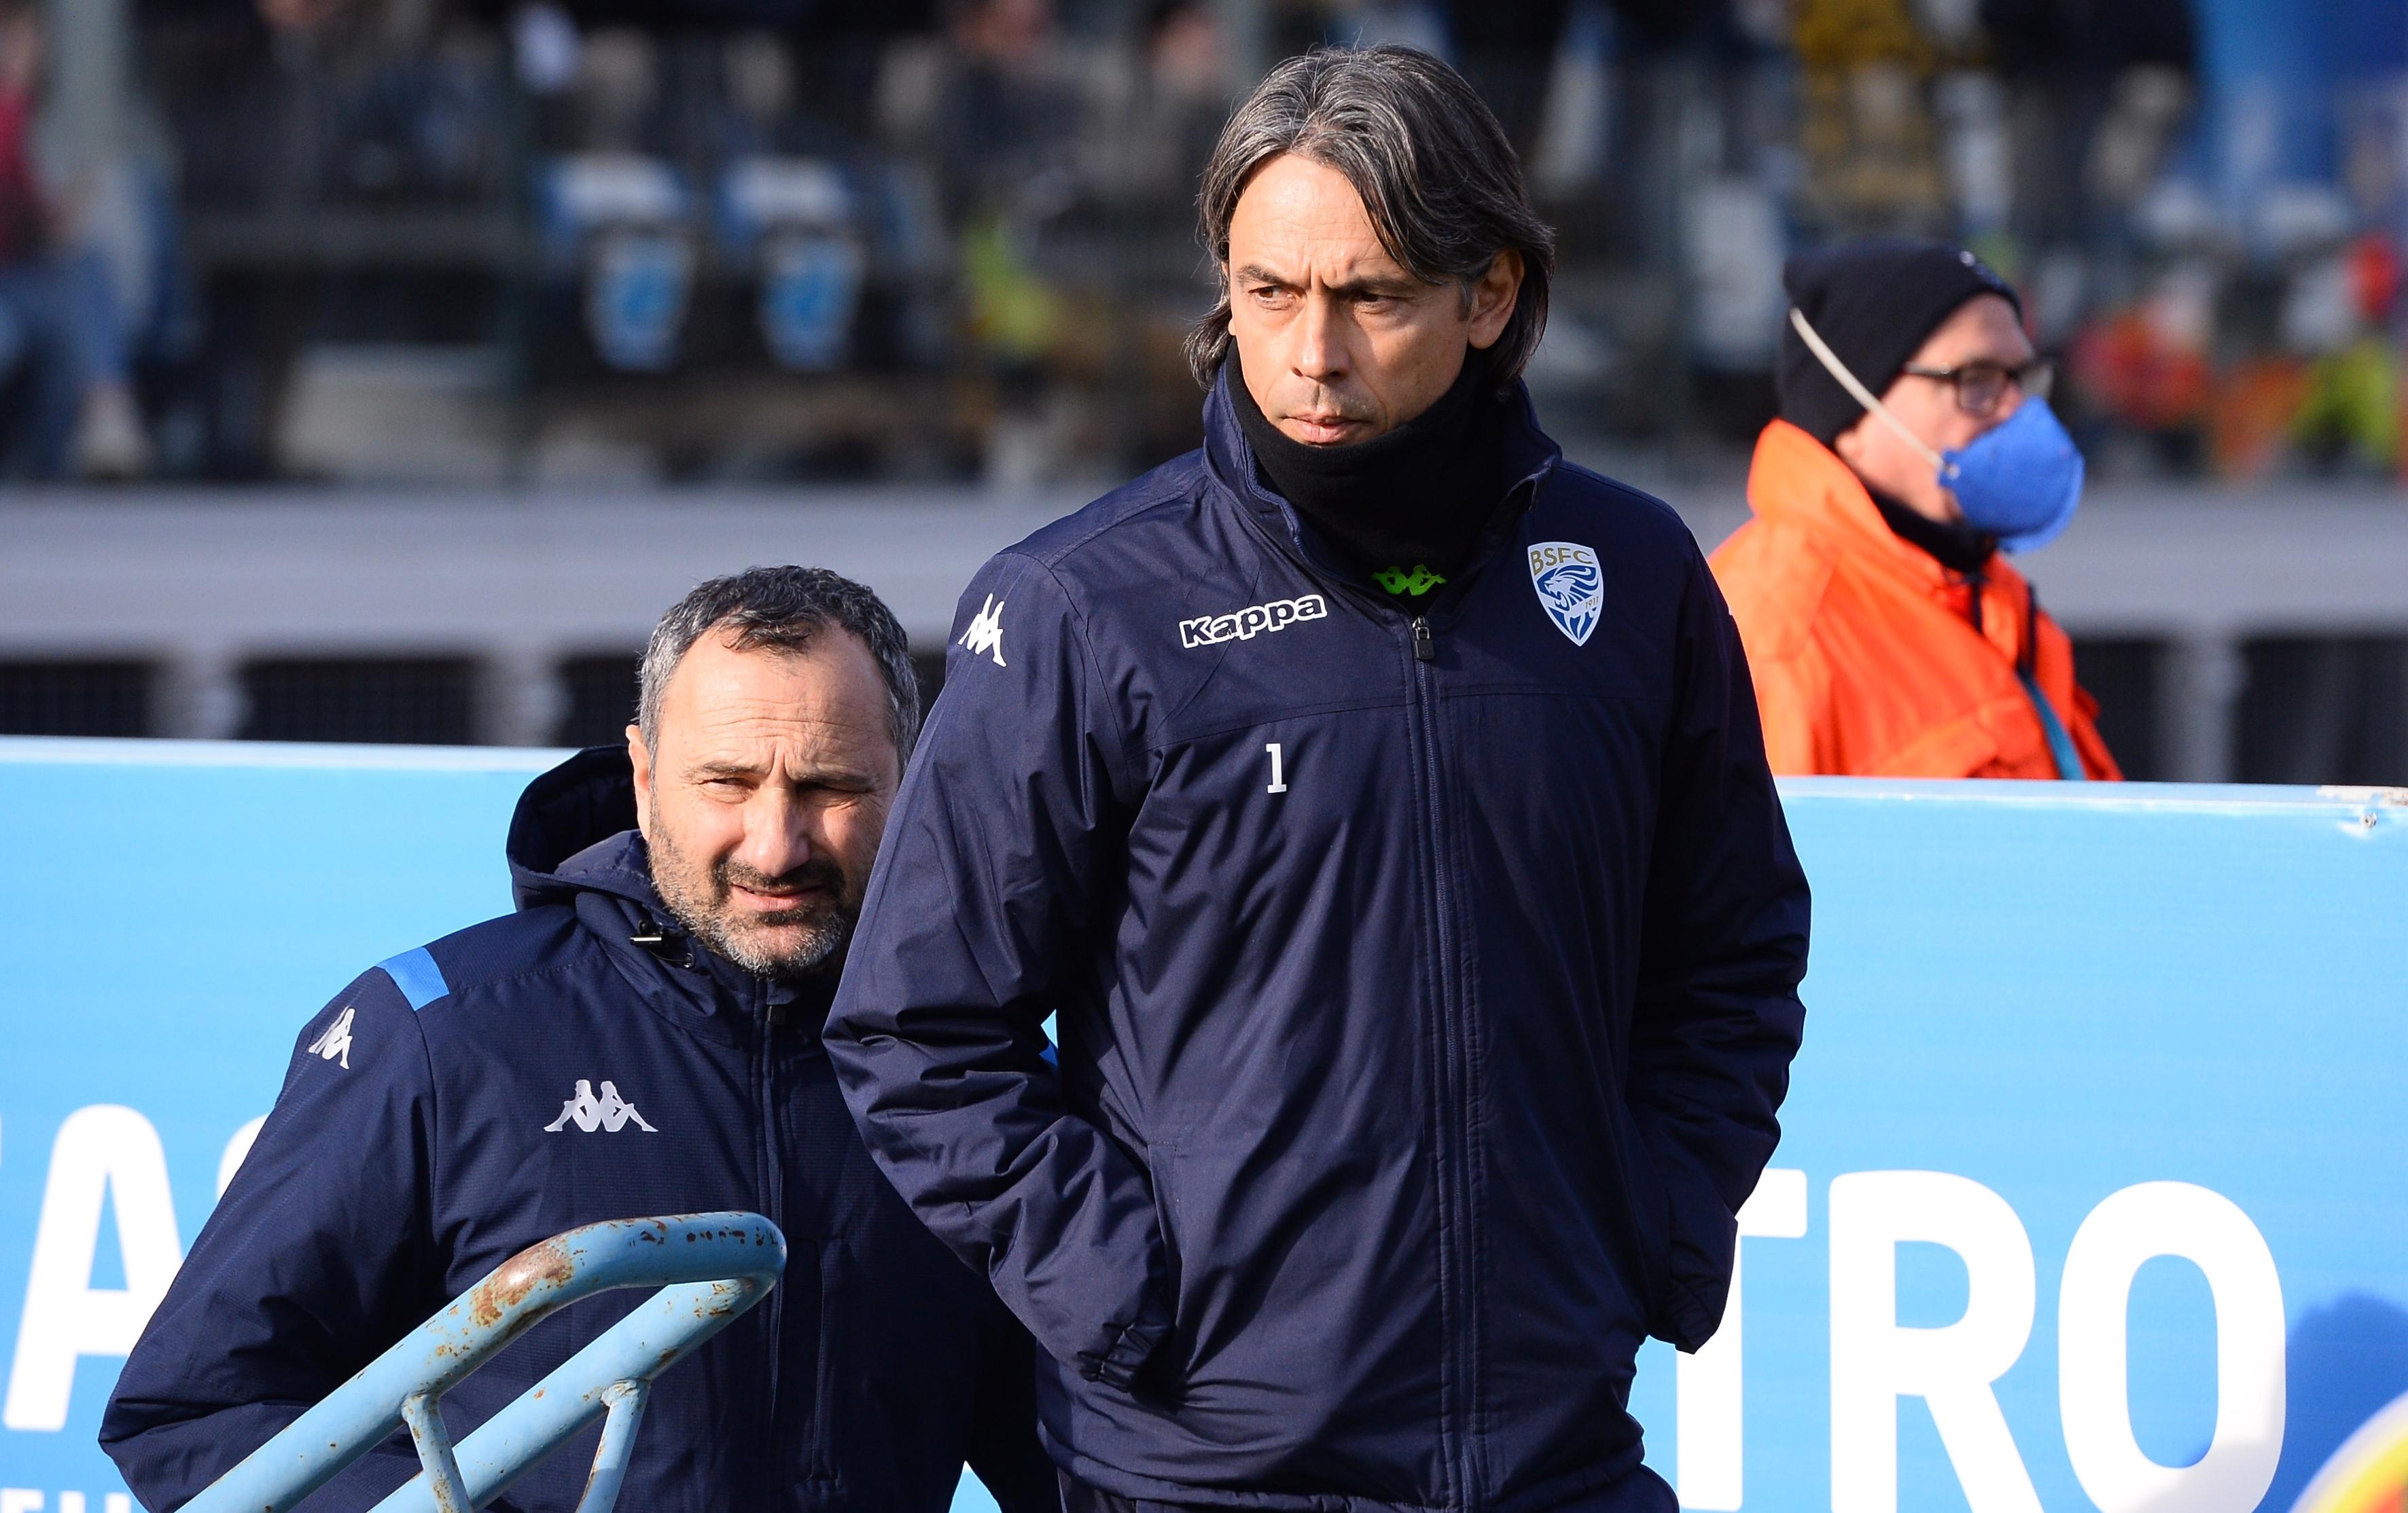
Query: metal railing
(710, 1268)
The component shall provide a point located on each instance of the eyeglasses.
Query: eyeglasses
(1980, 386)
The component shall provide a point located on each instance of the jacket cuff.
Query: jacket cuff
(1118, 1367)
(1685, 1321)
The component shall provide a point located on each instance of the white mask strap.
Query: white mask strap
(1871, 401)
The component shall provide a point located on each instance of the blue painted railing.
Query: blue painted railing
(709, 1268)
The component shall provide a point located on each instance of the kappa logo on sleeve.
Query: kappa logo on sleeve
(984, 636)
(335, 1042)
(1253, 621)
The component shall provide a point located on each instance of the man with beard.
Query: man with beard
(683, 907)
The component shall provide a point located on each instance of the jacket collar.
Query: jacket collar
(1530, 456)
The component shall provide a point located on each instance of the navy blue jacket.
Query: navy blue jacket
(1425, 982)
(429, 1128)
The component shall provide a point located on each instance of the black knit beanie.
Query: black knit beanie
(1873, 303)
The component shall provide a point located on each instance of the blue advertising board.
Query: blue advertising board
(2094, 1192)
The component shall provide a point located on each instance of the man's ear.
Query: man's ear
(1849, 444)
(1493, 295)
(640, 757)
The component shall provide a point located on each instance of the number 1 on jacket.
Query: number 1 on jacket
(1279, 783)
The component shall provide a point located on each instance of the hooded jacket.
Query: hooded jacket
(1424, 981)
(437, 1118)
(1871, 657)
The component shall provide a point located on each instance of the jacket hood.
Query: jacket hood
(573, 832)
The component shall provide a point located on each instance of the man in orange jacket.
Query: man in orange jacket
(1886, 634)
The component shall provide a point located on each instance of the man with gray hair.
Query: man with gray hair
(1376, 800)
(641, 1038)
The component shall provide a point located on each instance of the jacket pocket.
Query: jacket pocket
(1170, 1358)
(1651, 1213)
(822, 1291)
(1162, 1174)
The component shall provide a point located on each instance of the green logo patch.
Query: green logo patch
(1417, 582)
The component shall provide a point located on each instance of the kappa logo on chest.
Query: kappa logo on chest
(1570, 586)
(610, 1113)
(1253, 621)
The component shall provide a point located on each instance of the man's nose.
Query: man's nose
(1321, 342)
(777, 836)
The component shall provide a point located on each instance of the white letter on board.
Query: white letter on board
(2209, 1231)
(1874, 1362)
(103, 1149)
(1706, 1385)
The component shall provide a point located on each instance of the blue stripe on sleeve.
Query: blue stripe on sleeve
(416, 975)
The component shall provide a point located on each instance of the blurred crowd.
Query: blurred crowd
(950, 238)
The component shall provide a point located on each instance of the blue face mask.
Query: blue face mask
(2020, 480)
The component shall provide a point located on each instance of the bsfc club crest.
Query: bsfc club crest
(1570, 585)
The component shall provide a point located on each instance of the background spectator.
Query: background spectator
(66, 401)
(2199, 196)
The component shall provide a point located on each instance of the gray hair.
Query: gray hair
(784, 610)
(1439, 179)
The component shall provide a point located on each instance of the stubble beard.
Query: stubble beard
(702, 901)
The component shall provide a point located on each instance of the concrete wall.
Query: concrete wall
(200, 582)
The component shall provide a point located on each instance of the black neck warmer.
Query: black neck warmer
(1417, 497)
(1953, 544)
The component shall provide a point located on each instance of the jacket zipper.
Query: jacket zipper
(1458, 1293)
(773, 1186)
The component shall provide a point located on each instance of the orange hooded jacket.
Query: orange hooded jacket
(1871, 657)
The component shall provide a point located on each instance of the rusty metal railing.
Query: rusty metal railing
(709, 1268)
